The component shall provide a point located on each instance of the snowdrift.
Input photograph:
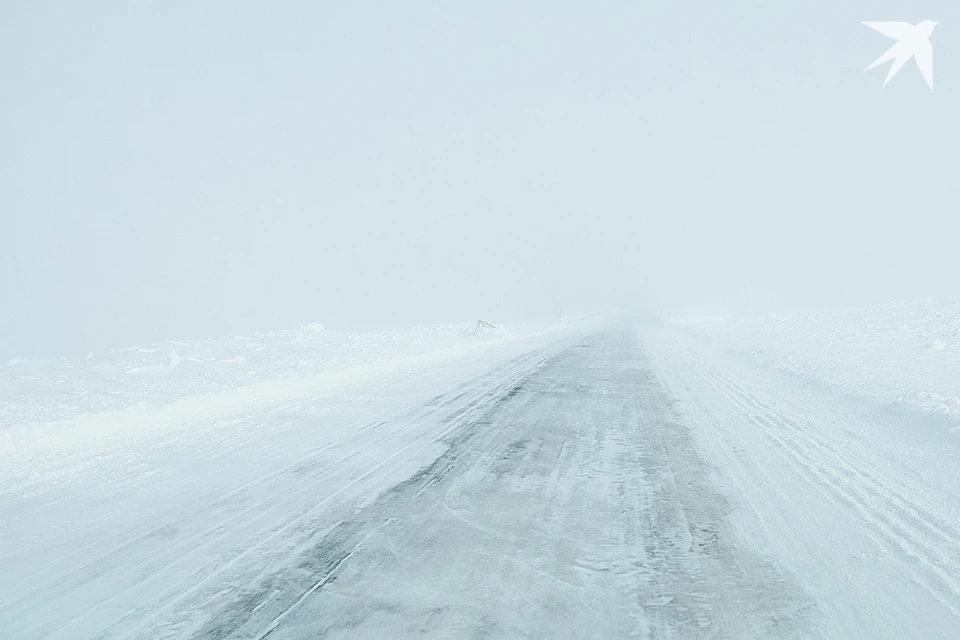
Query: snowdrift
(905, 355)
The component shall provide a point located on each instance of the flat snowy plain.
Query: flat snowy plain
(774, 477)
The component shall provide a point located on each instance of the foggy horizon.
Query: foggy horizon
(548, 320)
(176, 172)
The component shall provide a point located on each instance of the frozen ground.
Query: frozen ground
(43, 390)
(596, 481)
(58, 406)
(905, 355)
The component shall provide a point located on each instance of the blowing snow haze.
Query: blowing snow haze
(545, 320)
(178, 170)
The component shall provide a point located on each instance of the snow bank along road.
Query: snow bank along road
(628, 482)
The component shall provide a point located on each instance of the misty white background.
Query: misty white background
(188, 169)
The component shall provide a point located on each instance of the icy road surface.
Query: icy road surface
(625, 483)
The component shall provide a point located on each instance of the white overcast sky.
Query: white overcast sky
(186, 169)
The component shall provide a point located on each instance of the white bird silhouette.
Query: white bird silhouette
(913, 41)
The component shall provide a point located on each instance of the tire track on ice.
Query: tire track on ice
(808, 462)
(464, 413)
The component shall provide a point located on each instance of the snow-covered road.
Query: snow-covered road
(861, 503)
(625, 482)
